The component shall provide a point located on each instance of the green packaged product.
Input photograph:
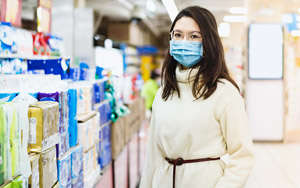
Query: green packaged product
(19, 182)
(2, 139)
(8, 186)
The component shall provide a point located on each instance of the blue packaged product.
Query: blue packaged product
(63, 146)
(51, 66)
(6, 39)
(77, 166)
(105, 146)
(64, 171)
(72, 129)
(7, 97)
(96, 96)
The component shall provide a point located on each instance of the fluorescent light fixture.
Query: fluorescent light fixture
(171, 8)
(224, 29)
(238, 10)
(295, 33)
(150, 5)
(235, 18)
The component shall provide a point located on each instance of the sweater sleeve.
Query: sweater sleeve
(236, 132)
(153, 156)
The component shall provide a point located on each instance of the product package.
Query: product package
(72, 117)
(77, 166)
(19, 182)
(48, 168)
(5, 38)
(84, 98)
(90, 168)
(35, 175)
(63, 145)
(3, 127)
(13, 142)
(87, 132)
(99, 91)
(105, 111)
(64, 170)
(43, 123)
(23, 131)
(105, 155)
(7, 97)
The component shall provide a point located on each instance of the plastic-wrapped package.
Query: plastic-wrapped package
(5, 38)
(34, 179)
(77, 166)
(7, 97)
(64, 171)
(48, 168)
(43, 123)
(86, 133)
(72, 117)
(105, 146)
(63, 146)
(3, 127)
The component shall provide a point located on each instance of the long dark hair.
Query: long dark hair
(212, 65)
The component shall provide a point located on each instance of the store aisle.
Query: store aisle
(276, 165)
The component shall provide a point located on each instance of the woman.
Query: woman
(198, 114)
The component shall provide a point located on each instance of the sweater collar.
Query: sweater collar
(186, 76)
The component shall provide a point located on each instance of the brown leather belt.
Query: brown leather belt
(180, 161)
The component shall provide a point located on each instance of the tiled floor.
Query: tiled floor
(276, 166)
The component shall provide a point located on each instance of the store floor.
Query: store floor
(277, 165)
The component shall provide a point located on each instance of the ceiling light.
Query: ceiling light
(238, 10)
(235, 18)
(171, 8)
(150, 5)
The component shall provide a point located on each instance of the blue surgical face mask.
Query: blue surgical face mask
(187, 53)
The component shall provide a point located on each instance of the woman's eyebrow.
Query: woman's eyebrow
(177, 30)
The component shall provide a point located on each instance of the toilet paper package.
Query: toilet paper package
(35, 175)
(77, 166)
(6, 39)
(62, 99)
(48, 168)
(64, 170)
(7, 97)
(84, 97)
(43, 122)
(23, 131)
(86, 133)
(90, 163)
(3, 127)
(63, 145)
(105, 146)
(13, 141)
(72, 117)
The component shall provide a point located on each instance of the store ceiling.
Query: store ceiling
(158, 21)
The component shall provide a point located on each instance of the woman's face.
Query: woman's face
(186, 29)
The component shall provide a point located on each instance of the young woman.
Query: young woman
(198, 114)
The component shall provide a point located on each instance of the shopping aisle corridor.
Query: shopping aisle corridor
(276, 166)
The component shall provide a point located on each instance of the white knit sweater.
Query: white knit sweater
(192, 129)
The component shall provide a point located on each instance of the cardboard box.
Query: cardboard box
(126, 32)
(77, 166)
(35, 175)
(48, 168)
(64, 170)
(117, 137)
(43, 125)
(132, 120)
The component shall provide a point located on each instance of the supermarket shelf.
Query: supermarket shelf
(6, 56)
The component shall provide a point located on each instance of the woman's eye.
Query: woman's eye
(195, 36)
(177, 35)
